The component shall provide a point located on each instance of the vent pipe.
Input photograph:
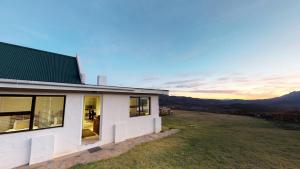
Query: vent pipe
(101, 80)
(83, 78)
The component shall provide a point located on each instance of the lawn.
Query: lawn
(209, 140)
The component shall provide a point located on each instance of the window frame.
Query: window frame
(31, 112)
(139, 105)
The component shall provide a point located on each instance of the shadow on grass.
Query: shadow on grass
(286, 125)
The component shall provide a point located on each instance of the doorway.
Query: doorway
(91, 119)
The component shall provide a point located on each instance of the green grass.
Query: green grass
(213, 141)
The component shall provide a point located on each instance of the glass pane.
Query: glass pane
(14, 123)
(48, 112)
(15, 104)
(134, 106)
(144, 106)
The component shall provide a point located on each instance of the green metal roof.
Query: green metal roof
(22, 63)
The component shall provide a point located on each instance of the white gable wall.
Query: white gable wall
(116, 121)
(115, 126)
(15, 148)
(142, 125)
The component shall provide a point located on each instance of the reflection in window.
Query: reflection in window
(139, 106)
(48, 112)
(15, 113)
(22, 113)
(144, 106)
(14, 123)
(15, 104)
(134, 106)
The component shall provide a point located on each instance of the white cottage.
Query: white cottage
(47, 111)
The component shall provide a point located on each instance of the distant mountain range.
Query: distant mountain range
(289, 102)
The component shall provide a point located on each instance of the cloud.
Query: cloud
(276, 78)
(182, 81)
(271, 78)
(241, 79)
(32, 33)
(215, 91)
(191, 85)
(208, 91)
(150, 78)
(232, 78)
(234, 86)
(223, 78)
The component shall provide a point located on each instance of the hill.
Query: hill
(289, 101)
(286, 107)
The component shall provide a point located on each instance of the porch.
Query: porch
(97, 153)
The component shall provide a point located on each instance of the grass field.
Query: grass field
(209, 140)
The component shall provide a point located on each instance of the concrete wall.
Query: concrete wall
(115, 126)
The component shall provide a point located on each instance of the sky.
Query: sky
(219, 49)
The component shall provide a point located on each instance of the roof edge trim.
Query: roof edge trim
(12, 83)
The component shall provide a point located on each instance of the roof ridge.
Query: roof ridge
(39, 50)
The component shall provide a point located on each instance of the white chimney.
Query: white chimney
(101, 80)
(82, 77)
(81, 74)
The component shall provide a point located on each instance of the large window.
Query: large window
(14, 113)
(139, 106)
(23, 113)
(48, 112)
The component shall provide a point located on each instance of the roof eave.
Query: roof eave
(24, 84)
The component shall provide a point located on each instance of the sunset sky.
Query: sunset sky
(207, 49)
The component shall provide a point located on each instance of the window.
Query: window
(14, 113)
(24, 113)
(48, 112)
(134, 106)
(15, 104)
(139, 106)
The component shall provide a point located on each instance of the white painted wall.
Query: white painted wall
(115, 120)
(17, 146)
(116, 113)
(38, 146)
